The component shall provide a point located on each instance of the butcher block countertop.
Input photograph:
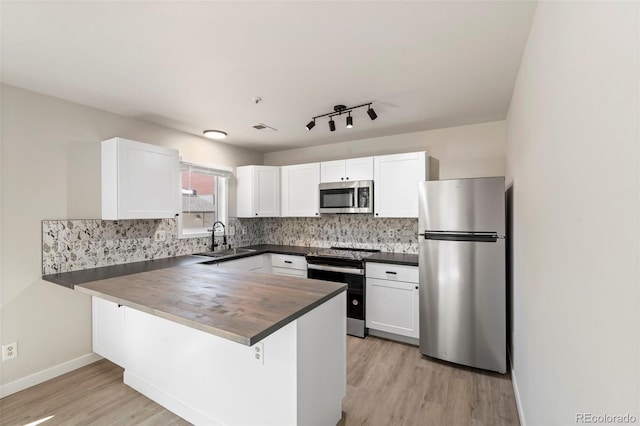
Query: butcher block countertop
(244, 307)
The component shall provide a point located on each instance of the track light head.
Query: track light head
(311, 124)
(372, 113)
(349, 121)
(332, 125)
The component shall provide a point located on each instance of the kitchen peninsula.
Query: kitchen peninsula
(218, 346)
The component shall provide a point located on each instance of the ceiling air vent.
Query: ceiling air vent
(262, 126)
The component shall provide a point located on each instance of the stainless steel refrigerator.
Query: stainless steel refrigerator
(462, 272)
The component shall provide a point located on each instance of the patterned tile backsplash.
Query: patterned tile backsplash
(359, 231)
(71, 245)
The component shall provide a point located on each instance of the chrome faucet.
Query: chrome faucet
(213, 235)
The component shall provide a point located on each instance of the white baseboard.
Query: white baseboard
(519, 406)
(47, 374)
(169, 402)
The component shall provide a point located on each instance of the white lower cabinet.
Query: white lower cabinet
(108, 326)
(285, 264)
(257, 263)
(271, 263)
(291, 272)
(210, 380)
(392, 299)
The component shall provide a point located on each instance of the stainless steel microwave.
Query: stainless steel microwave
(347, 197)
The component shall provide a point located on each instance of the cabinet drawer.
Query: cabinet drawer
(290, 272)
(388, 271)
(288, 261)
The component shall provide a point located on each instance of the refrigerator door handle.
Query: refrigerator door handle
(487, 237)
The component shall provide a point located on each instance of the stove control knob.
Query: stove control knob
(354, 301)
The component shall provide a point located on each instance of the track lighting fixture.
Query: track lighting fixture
(372, 113)
(339, 110)
(311, 124)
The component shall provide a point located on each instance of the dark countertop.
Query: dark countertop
(293, 250)
(244, 307)
(397, 258)
(71, 279)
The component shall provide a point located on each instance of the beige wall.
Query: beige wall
(51, 170)
(573, 164)
(465, 151)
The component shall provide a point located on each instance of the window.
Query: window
(204, 199)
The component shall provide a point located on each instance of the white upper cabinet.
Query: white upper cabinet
(351, 169)
(258, 191)
(359, 168)
(139, 180)
(332, 171)
(396, 183)
(299, 190)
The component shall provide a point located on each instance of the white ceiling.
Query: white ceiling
(198, 65)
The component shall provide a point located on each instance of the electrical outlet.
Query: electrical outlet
(244, 230)
(391, 233)
(258, 353)
(312, 230)
(160, 236)
(10, 350)
(232, 231)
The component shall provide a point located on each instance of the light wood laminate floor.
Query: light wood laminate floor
(388, 383)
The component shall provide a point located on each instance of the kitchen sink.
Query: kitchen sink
(226, 253)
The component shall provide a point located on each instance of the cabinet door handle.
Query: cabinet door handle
(341, 178)
(347, 177)
(256, 214)
(316, 214)
(377, 214)
(288, 261)
(416, 287)
(391, 272)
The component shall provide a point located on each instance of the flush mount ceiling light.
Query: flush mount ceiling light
(339, 110)
(214, 134)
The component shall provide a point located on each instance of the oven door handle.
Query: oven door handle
(354, 271)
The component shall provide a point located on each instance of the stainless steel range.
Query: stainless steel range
(344, 265)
